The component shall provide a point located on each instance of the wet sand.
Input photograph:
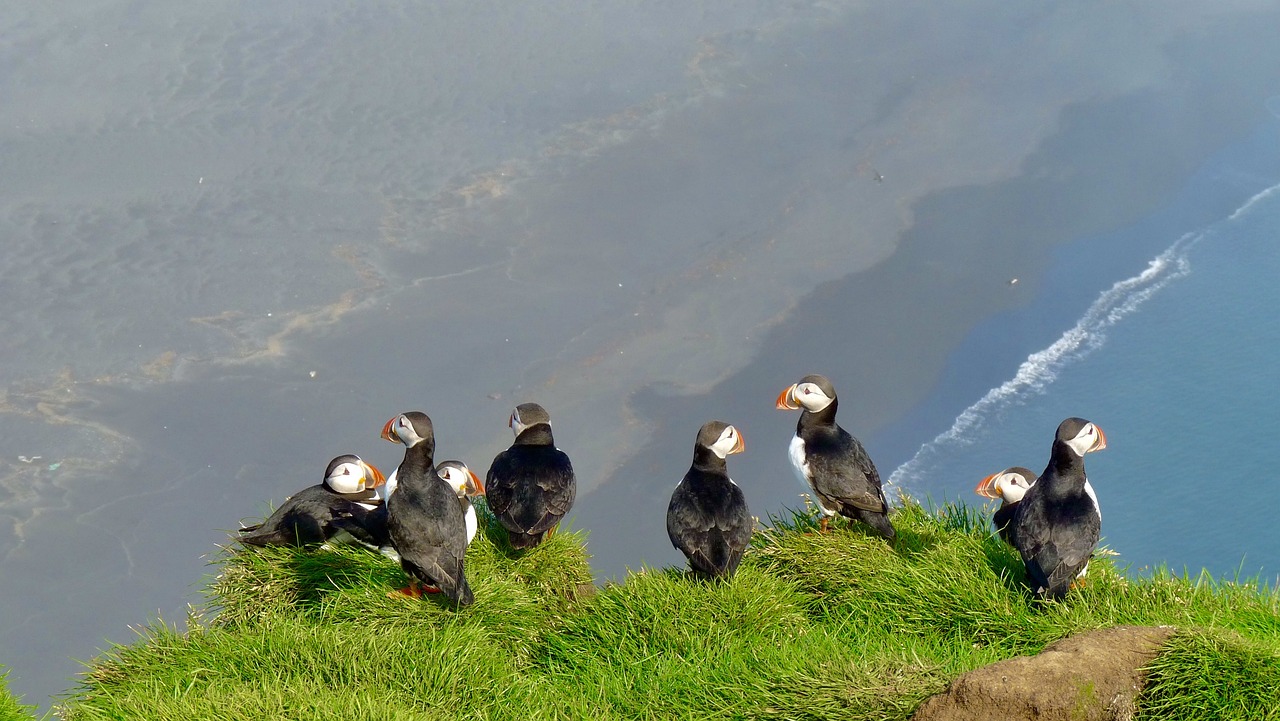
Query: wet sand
(884, 335)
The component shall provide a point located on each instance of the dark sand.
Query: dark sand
(845, 192)
(885, 334)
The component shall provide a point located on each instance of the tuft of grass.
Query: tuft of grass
(11, 709)
(813, 626)
(1213, 676)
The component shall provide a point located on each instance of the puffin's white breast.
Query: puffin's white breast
(472, 525)
(797, 455)
(1088, 488)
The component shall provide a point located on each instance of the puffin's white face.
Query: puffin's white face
(352, 478)
(729, 442)
(1011, 486)
(461, 479)
(1008, 485)
(402, 429)
(514, 424)
(809, 396)
(1090, 438)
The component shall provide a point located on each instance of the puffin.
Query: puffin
(1009, 486)
(425, 522)
(318, 513)
(467, 485)
(1058, 523)
(832, 462)
(371, 531)
(530, 486)
(708, 519)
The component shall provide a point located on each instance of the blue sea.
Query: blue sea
(1176, 360)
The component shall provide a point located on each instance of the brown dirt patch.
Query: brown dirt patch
(1093, 676)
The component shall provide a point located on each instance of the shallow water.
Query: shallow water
(1174, 364)
(238, 239)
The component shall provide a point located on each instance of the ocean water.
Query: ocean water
(730, 185)
(1176, 362)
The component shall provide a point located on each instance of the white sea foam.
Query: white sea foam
(1253, 201)
(1041, 369)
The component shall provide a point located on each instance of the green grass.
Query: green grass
(814, 626)
(10, 708)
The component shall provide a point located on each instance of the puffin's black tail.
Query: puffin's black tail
(455, 587)
(878, 521)
(253, 536)
(521, 541)
(464, 596)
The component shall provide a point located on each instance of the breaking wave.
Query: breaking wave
(1041, 368)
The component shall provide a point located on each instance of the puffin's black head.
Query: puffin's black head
(349, 474)
(1081, 436)
(812, 393)
(461, 478)
(1010, 484)
(409, 428)
(720, 438)
(528, 414)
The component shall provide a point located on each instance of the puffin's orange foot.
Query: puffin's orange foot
(550, 532)
(406, 592)
(824, 524)
(1078, 583)
(413, 590)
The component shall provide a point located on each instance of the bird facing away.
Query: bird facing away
(1009, 485)
(707, 518)
(425, 521)
(530, 486)
(315, 514)
(832, 462)
(1058, 522)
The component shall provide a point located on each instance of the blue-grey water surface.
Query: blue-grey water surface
(238, 237)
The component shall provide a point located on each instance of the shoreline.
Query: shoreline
(788, 182)
(889, 420)
(1203, 200)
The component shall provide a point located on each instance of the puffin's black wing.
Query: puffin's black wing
(1056, 543)
(843, 472)
(427, 527)
(710, 523)
(305, 519)
(530, 488)
(1003, 521)
(369, 527)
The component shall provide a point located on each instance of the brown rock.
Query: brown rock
(1093, 676)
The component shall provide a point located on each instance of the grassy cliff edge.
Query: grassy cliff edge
(814, 626)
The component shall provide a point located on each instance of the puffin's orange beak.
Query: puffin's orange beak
(1101, 442)
(787, 399)
(375, 475)
(387, 435)
(474, 486)
(987, 487)
(740, 446)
